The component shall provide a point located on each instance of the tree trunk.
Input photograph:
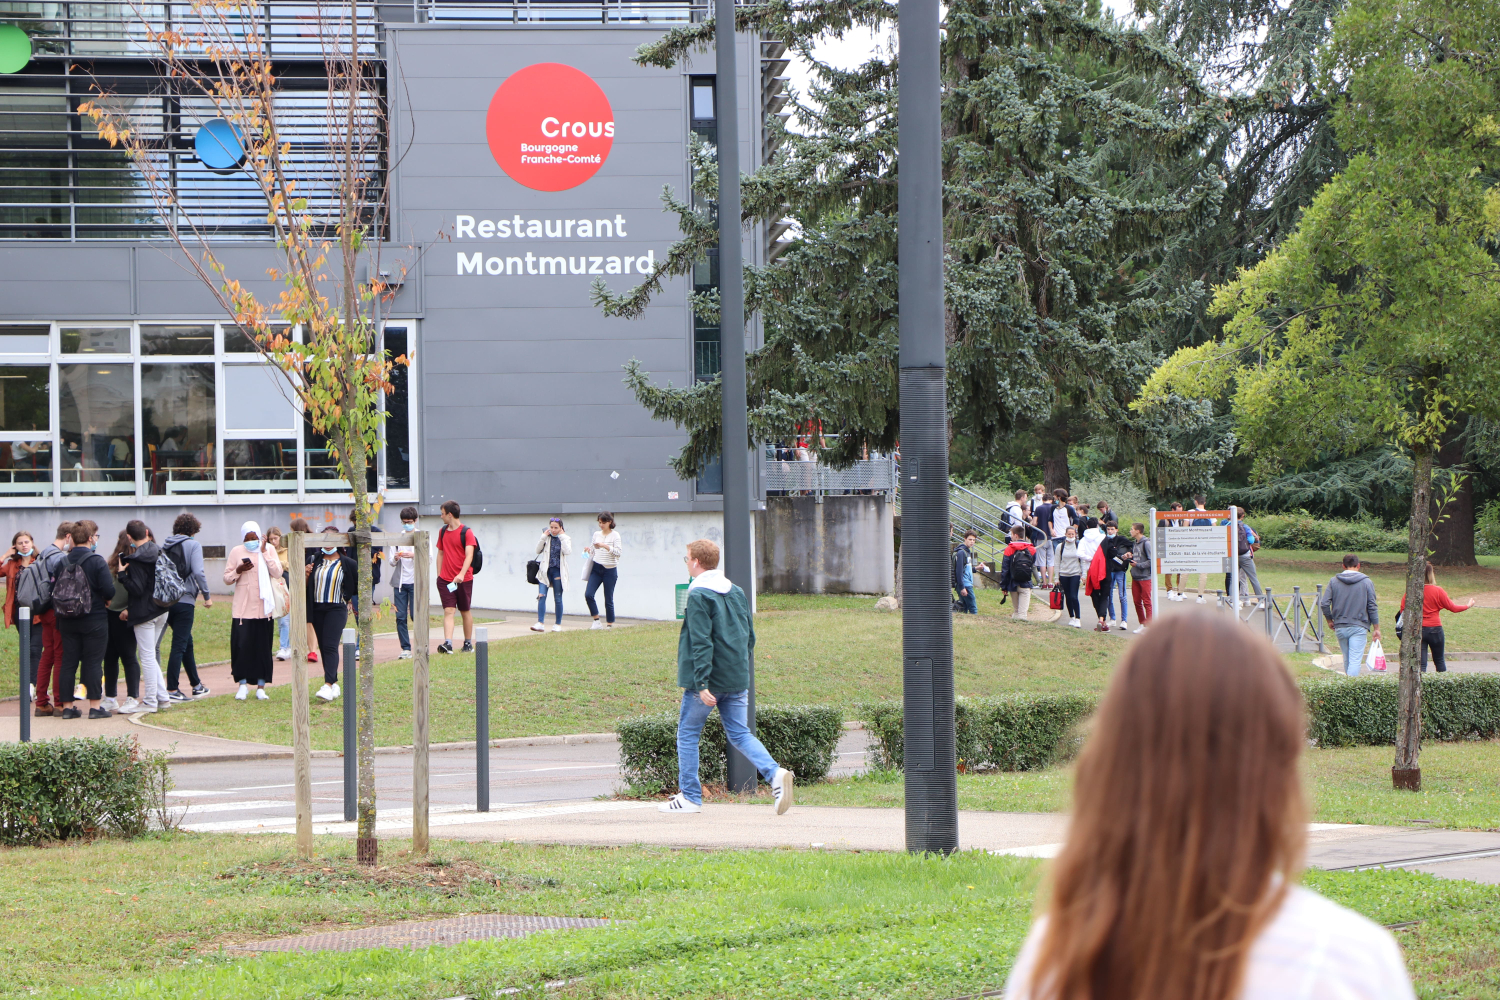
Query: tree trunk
(1054, 440)
(1453, 535)
(1407, 773)
(367, 849)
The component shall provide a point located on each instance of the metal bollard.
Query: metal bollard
(350, 700)
(482, 718)
(23, 627)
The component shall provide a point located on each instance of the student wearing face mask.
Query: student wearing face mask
(332, 589)
(149, 619)
(404, 581)
(22, 553)
(552, 551)
(252, 630)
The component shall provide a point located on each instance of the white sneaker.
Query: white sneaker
(597, 624)
(336, 691)
(538, 627)
(33, 692)
(679, 804)
(1140, 630)
(1075, 623)
(557, 628)
(109, 705)
(130, 705)
(260, 694)
(326, 693)
(242, 692)
(1202, 599)
(146, 710)
(1124, 625)
(284, 653)
(162, 704)
(781, 789)
(405, 655)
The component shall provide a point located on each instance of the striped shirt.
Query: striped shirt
(328, 581)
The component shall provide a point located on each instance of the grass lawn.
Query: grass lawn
(697, 924)
(836, 650)
(1460, 788)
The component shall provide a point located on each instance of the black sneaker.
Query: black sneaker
(71, 713)
(468, 646)
(199, 690)
(178, 696)
(445, 647)
(98, 713)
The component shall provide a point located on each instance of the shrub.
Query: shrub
(1014, 733)
(802, 738)
(67, 788)
(1362, 711)
(1300, 530)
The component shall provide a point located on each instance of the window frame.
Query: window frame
(54, 359)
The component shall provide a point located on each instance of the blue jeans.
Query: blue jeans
(406, 603)
(733, 706)
(180, 620)
(1352, 639)
(284, 631)
(1117, 586)
(606, 575)
(967, 602)
(555, 578)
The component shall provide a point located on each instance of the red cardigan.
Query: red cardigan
(1434, 601)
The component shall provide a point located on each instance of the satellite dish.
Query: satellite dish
(220, 146)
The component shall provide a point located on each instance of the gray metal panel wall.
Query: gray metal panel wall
(524, 407)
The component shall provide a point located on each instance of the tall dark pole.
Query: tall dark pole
(738, 564)
(926, 606)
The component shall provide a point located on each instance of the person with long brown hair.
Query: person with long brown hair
(1178, 878)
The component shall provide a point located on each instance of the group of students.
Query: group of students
(549, 571)
(93, 615)
(1057, 543)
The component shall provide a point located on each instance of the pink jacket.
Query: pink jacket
(247, 601)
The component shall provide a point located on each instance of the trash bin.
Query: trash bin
(682, 594)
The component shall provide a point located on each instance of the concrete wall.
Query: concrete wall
(843, 545)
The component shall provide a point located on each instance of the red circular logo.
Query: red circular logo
(550, 127)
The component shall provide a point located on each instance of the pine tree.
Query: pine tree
(1075, 171)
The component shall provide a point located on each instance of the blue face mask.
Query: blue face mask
(253, 545)
(330, 552)
(409, 525)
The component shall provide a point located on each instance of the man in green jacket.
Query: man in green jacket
(713, 669)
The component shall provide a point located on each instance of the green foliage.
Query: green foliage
(803, 739)
(1073, 161)
(1301, 530)
(67, 788)
(1125, 496)
(1362, 711)
(1364, 485)
(1011, 733)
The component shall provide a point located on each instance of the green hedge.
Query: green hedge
(1361, 711)
(1014, 733)
(61, 789)
(1028, 732)
(1301, 530)
(802, 738)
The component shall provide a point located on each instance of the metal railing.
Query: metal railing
(968, 511)
(865, 477)
(1291, 618)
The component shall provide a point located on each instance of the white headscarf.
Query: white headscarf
(262, 574)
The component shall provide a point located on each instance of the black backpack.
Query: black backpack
(1022, 564)
(478, 563)
(71, 594)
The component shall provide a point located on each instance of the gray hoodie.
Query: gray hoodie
(192, 551)
(1349, 601)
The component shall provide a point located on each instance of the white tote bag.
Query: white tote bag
(1375, 658)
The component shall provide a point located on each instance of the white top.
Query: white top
(1060, 521)
(1088, 545)
(608, 557)
(1312, 948)
(406, 565)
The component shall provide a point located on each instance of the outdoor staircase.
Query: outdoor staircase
(968, 511)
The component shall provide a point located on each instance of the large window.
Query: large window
(176, 411)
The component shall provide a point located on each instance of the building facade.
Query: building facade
(125, 391)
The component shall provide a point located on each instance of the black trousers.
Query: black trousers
(250, 649)
(83, 642)
(1070, 593)
(121, 649)
(328, 622)
(1432, 638)
(180, 620)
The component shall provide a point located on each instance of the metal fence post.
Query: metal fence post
(1318, 619)
(23, 627)
(346, 695)
(482, 718)
(1296, 619)
(1270, 609)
